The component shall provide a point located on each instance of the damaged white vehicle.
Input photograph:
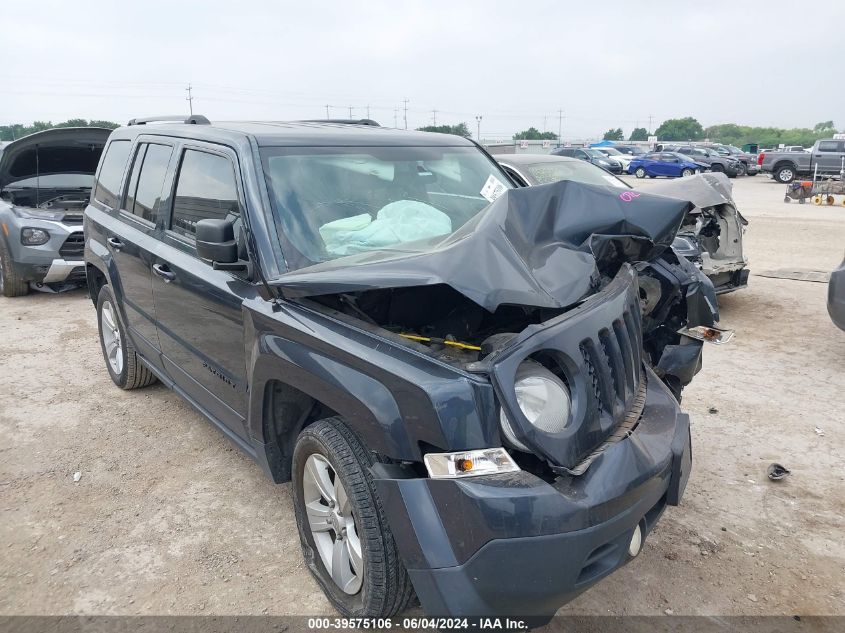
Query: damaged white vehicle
(710, 235)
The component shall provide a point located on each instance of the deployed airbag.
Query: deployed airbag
(543, 246)
(395, 223)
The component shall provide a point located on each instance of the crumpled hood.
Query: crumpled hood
(703, 190)
(540, 246)
(70, 150)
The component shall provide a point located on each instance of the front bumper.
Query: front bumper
(519, 545)
(59, 259)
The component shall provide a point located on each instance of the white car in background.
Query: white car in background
(615, 154)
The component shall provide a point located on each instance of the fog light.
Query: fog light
(636, 543)
(34, 237)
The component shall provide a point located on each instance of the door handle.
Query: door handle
(163, 272)
(115, 243)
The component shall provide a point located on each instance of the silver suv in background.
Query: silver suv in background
(45, 184)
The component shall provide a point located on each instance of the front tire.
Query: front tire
(639, 172)
(686, 173)
(345, 536)
(11, 284)
(122, 362)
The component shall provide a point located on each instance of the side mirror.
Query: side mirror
(216, 241)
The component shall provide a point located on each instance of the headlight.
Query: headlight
(543, 399)
(39, 214)
(487, 461)
(34, 237)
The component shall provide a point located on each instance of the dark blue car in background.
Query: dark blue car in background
(670, 164)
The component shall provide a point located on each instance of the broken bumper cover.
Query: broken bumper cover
(518, 545)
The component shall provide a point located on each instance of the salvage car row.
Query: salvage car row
(305, 286)
(669, 160)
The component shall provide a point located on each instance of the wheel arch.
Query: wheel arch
(785, 162)
(95, 280)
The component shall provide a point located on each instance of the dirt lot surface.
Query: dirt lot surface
(169, 518)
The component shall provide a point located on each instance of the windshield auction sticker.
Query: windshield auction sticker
(493, 188)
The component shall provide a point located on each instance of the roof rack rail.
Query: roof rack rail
(344, 121)
(194, 119)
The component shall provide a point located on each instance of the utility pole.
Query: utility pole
(544, 124)
(328, 116)
(559, 127)
(396, 118)
(434, 117)
(478, 128)
(405, 104)
(368, 110)
(350, 112)
(649, 125)
(190, 99)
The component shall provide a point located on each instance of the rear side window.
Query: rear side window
(205, 189)
(144, 192)
(828, 146)
(108, 181)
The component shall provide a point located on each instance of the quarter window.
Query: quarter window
(206, 189)
(111, 172)
(144, 192)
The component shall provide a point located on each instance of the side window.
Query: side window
(205, 189)
(111, 171)
(145, 183)
(828, 146)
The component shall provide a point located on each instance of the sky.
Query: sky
(603, 64)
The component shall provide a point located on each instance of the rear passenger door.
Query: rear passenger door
(198, 309)
(130, 233)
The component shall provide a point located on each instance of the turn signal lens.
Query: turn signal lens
(487, 461)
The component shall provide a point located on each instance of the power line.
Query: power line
(190, 99)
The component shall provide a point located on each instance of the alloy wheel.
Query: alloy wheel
(332, 524)
(112, 343)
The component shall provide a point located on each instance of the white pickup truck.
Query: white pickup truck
(827, 157)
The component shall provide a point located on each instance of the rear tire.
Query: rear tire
(122, 362)
(11, 284)
(373, 581)
(785, 174)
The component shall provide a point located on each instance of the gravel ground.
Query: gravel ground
(169, 518)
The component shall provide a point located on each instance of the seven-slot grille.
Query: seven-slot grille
(73, 246)
(613, 358)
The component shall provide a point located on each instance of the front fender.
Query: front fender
(396, 399)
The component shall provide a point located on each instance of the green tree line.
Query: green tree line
(689, 129)
(17, 130)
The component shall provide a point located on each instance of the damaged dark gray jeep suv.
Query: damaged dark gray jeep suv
(473, 387)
